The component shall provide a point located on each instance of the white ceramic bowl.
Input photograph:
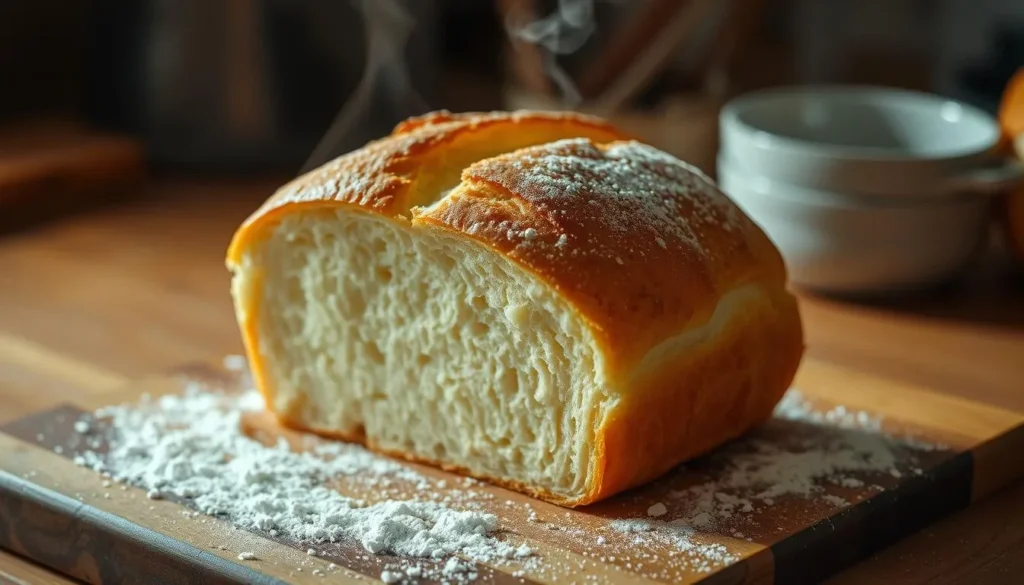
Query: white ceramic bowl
(836, 245)
(864, 189)
(866, 140)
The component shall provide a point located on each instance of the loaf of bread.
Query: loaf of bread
(527, 298)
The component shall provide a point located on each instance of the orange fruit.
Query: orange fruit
(1011, 122)
(1011, 107)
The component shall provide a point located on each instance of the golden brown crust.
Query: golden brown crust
(712, 395)
(385, 174)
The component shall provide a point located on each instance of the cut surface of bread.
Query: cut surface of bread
(523, 297)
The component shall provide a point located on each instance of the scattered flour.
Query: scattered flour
(235, 363)
(679, 536)
(759, 472)
(192, 446)
(630, 525)
(794, 406)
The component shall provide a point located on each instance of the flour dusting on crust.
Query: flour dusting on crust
(636, 194)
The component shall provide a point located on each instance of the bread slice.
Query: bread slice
(522, 297)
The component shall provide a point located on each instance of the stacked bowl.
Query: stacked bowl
(864, 189)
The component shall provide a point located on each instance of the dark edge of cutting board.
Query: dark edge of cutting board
(90, 544)
(861, 530)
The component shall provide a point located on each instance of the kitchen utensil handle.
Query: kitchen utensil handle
(991, 179)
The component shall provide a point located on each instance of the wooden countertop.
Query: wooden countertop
(139, 288)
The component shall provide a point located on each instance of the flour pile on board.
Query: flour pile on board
(192, 446)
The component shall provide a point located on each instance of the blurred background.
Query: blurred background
(97, 94)
(136, 135)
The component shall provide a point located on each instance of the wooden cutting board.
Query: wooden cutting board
(63, 515)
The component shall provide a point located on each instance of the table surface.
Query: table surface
(139, 288)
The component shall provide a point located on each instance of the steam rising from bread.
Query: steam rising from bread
(385, 80)
(561, 33)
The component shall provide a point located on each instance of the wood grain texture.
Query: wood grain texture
(18, 570)
(103, 547)
(140, 287)
(795, 540)
(982, 545)
(33, 356)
